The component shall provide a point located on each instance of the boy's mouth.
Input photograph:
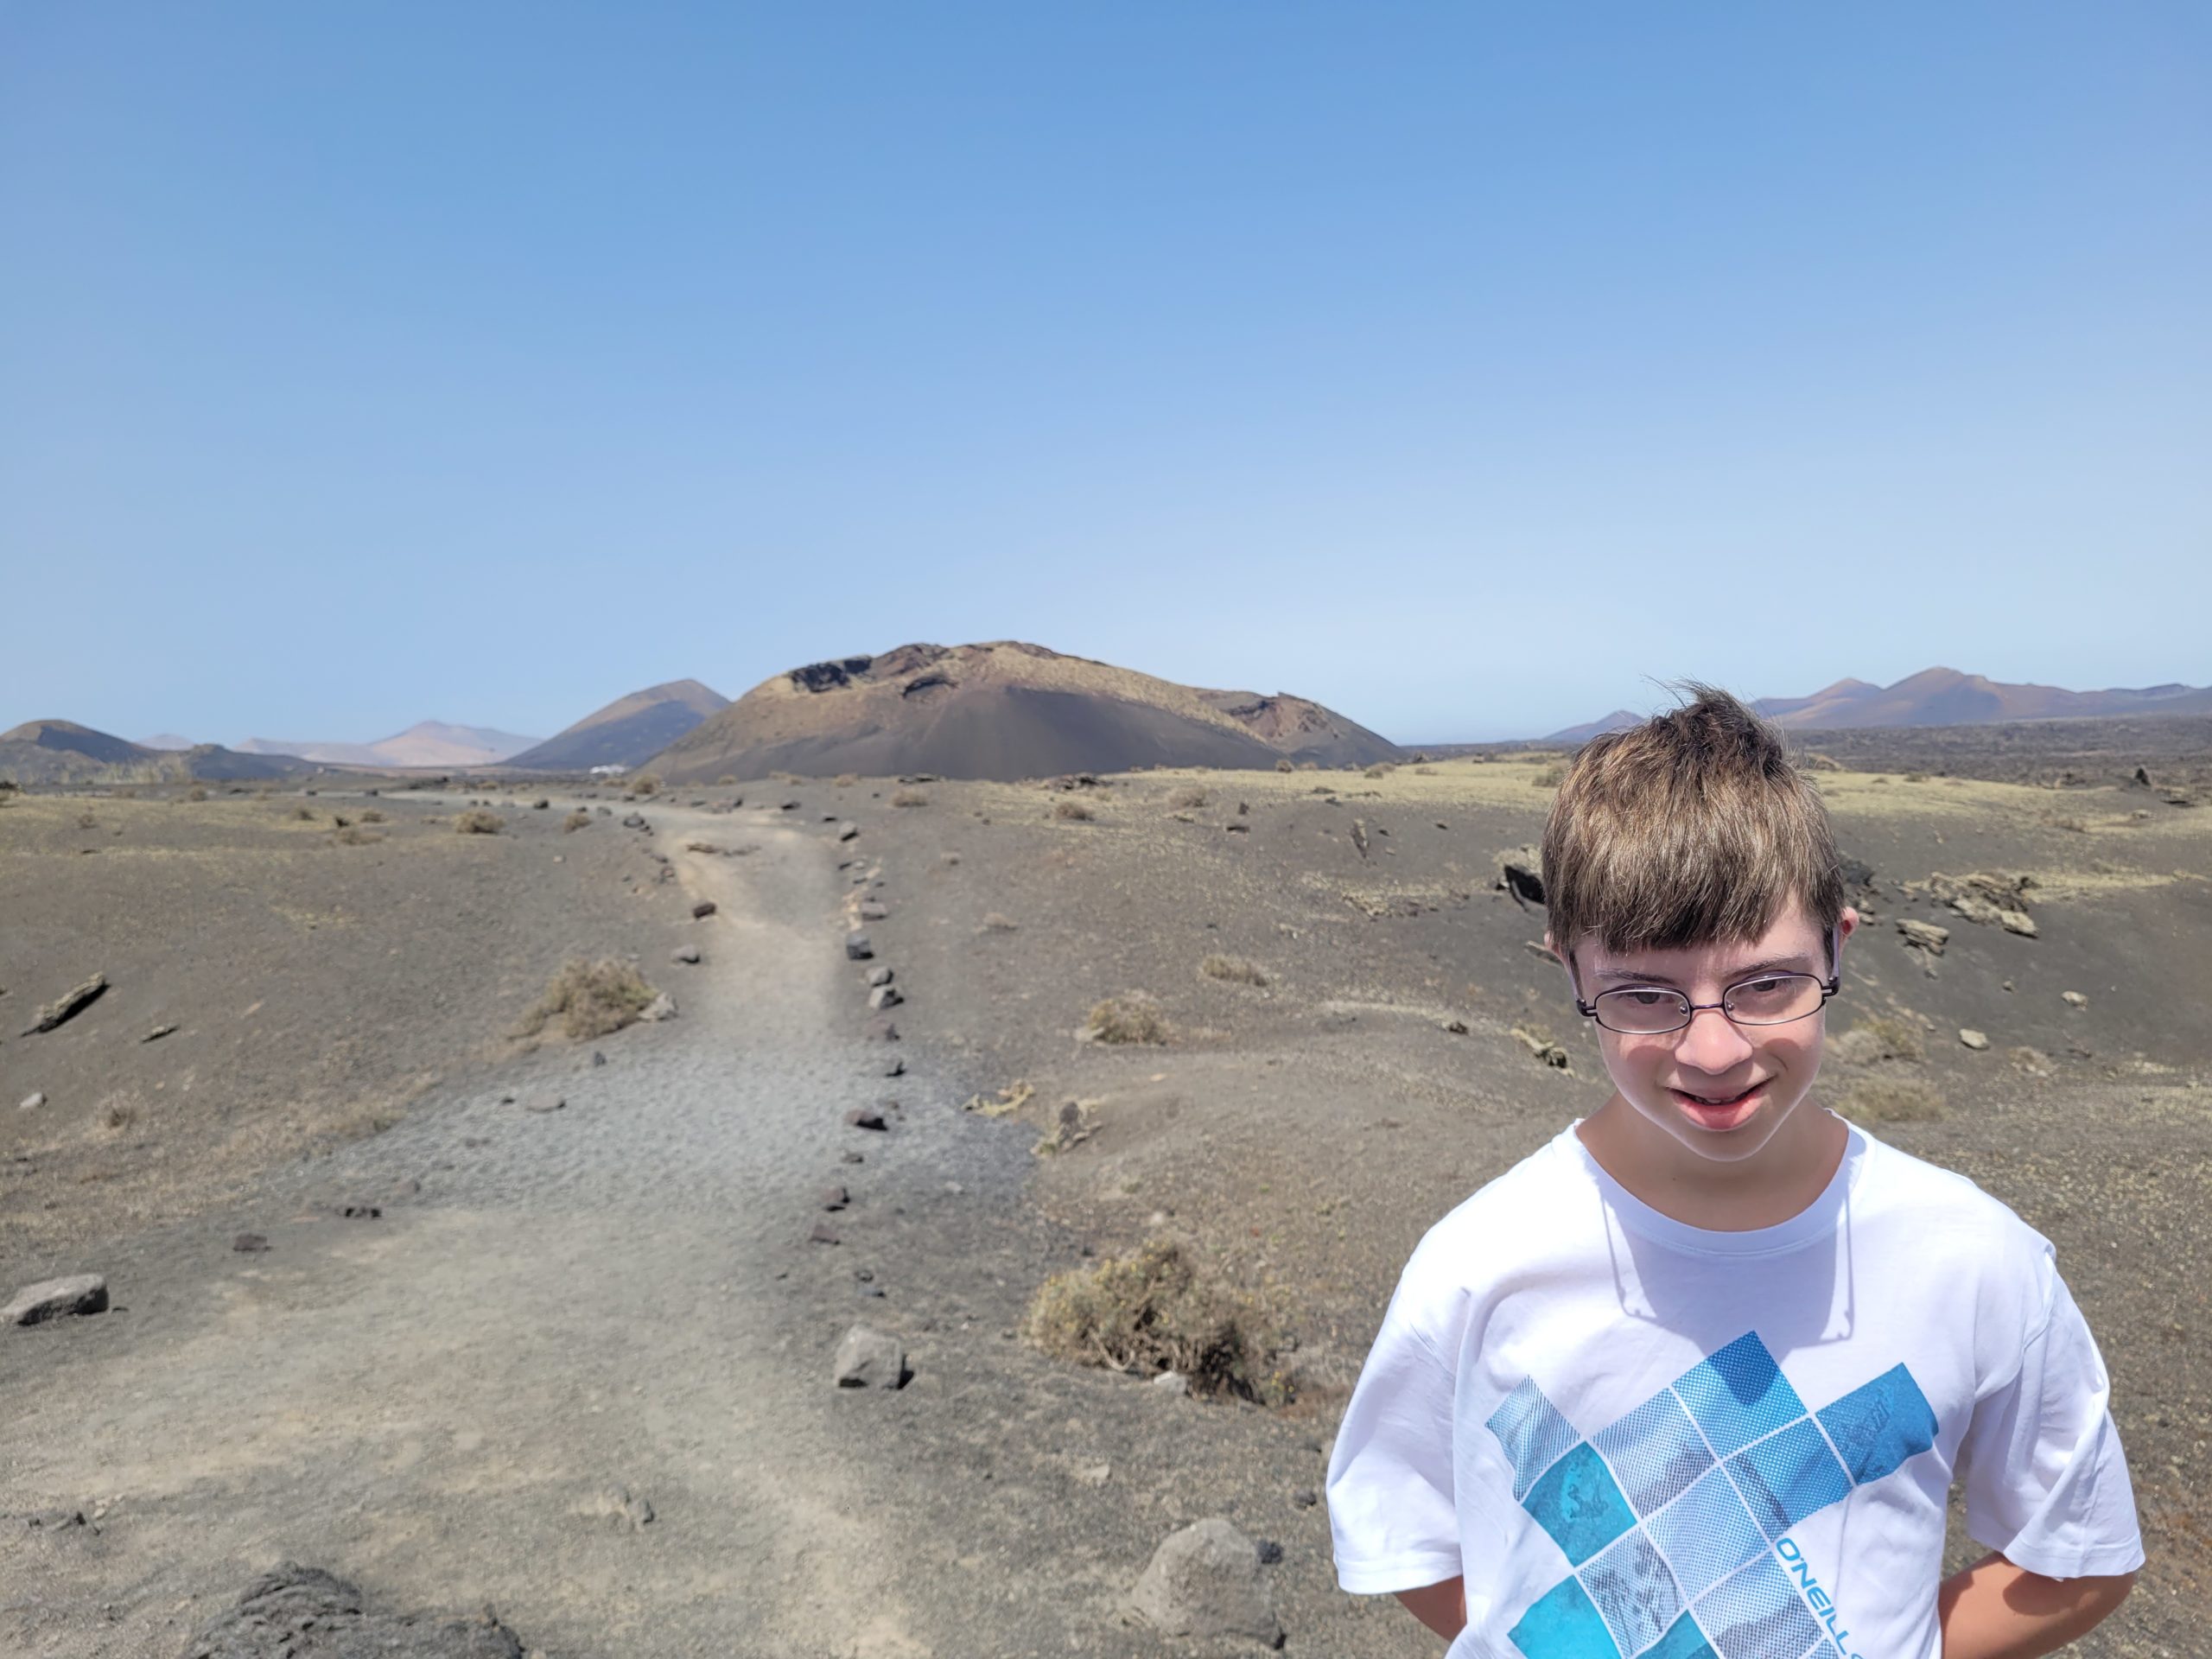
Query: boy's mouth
(1709, 1112)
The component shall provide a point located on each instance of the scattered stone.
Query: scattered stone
(852, 1158)
(1541, 1047)
(1204, 1581)
(2074, 999)
(598, 1058)
(874, 910)
(635, 821)
(685, 953)
(57, 1521)
(1306, 1497)
(868, 1358)
(250, 1244)
(865, 1117)
(2017, 921)
(1170, 1383)
(56, 1299)
(661, 1008)
(823, 1233)
(894, 1067)
(835, 1198)
(361, 1212)
(629, 1511)
(157, 1033)
(1973, 1039)
(703, 909)
(1270, 1552)
(1535, 947)
(1457, 1027)
(847, 831)
(882, 1031)
(31, 1101)
(1925, 936)
(543, 1100)
(1520, 873)
(539, 806)
(69, 1005)
(885, 996)
(857, 948)
(303, 1612)
(1093, 1474)
(881, 974)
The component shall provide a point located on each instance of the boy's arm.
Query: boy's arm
(1442, 1607)
(1994, 1610)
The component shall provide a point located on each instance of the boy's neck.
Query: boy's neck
(1781, 1180)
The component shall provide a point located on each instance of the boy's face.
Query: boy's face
(1759, 1072)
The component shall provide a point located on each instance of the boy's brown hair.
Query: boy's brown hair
(1692, 828)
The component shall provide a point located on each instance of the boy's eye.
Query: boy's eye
(1646, 999)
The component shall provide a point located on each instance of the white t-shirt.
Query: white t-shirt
(1639, 1439)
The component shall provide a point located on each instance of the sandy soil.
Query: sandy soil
(446, 1402)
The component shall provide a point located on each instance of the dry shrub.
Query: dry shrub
(90, 820)
(846, 779)
(995, 923)
(349, 836)
(1916, 776)
(726, 780)
(479, 821)
(1131, 1017)
(372, 815)
(1162, 1309)
(1381, 769)
(592, 998)
(1548, 776)
(1235, 968)
(1891, 1099)
(1073, 811)
(1284, 765)
(910, 797)
(195, 793)
(117, 1118)
(1187, 797)
(1877, 1037)
(576, 821)
(646, 783)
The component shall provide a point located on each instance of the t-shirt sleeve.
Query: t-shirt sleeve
(2046, 1481)
(1390, 1507)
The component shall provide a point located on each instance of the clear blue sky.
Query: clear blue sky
(1466, 366)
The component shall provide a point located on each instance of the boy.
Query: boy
(1694, 1379)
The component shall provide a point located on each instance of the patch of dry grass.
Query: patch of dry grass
(1131, 1017)
(1161, 1309)
(1877, 1037)
(1236, 969)
(591, 998)
(1891, 1099)
(995, 923)
(576, 821)
(1073, 812)
(347, 834)
(646, 783)
(477, 821)
(1189, 798)
(910, 797)
(372, 815)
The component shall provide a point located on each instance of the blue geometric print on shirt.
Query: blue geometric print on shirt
(1878, 1427)
(1667, 1514)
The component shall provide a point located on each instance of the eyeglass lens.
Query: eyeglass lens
(1643, 1009)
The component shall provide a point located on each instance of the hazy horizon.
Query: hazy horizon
(1469, 373)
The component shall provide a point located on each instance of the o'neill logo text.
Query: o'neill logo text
(1802, 1570)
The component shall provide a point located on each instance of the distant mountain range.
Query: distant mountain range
(426, 743)
(628, 732)
(1939, 697)
(62, 752)
(1006, 710)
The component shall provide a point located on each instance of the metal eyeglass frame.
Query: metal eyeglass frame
(1829, 987)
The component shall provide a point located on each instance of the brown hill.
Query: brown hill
(426, 743)
(1304, 729)
(628, 731)
(62, 752)
(1001, 711)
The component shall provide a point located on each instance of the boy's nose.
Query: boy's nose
(1711, 1042)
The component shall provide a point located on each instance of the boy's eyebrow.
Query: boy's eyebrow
(1796, 964)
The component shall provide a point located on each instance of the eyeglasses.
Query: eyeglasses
(1766, 999)
(1652, 1011)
